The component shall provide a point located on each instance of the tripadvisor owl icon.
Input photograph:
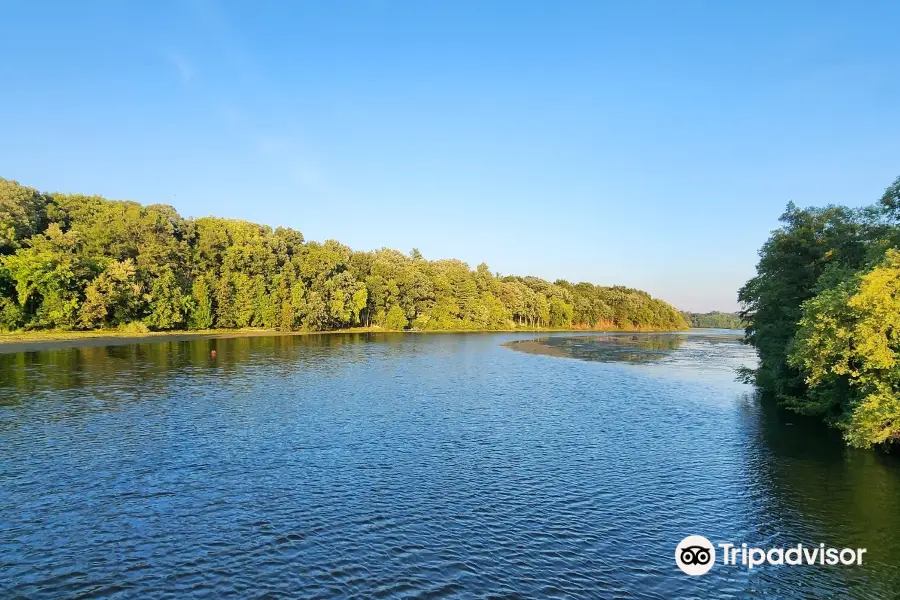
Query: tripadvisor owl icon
(695, 555)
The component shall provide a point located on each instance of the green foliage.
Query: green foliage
(114, 296)
(791, 263)
(49, 275)
(848, 345)
(166, 302)
(201, 313)
(358, 301)
(22, 214)
(395, 319)
(824, 315)
(714, 320)
(890, 201)
(560, 313)
(12, 317)
(225, 309)
(71, 261)
(243, 299)
(315, 311)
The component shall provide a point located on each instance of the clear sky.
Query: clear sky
(649, 144)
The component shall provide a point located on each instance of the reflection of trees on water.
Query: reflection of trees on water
(812, 489)
(632, 348)
(105, 376)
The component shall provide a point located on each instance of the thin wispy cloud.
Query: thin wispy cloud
(182, 67)
(255, 128)
(280, 148)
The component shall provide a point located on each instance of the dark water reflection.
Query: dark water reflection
(633, 348)
(420, 465)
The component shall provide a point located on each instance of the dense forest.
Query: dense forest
(84, 262)
(823, 313)
(714, 320)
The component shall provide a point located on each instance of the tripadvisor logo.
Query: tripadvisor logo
(696, 555)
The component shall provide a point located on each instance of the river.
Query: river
(422, 465)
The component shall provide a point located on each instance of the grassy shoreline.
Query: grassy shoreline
(30, 341)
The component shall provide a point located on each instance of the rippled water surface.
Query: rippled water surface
(420, 466)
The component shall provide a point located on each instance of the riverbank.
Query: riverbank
(33, 341)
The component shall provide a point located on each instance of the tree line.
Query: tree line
(714, 320)
(823, 313)
(69, 261)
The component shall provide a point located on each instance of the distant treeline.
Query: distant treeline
(824, 315)
(714, 320)
(84, 262)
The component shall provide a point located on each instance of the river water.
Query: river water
(390, 465)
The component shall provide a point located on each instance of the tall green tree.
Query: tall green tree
(848, 348)
(166, 302)
(823, 314)
(201, 314)
(791, 262)
(22, 214)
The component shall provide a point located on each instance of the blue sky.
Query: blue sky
(649, 144)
